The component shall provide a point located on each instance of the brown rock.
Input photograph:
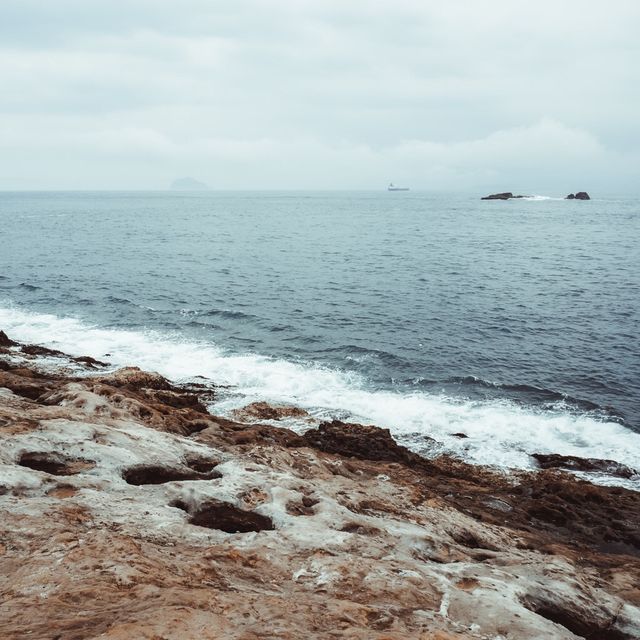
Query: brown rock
(359, 441)
(341, 533)
(266, 411)
(573, 463)
(5, 341)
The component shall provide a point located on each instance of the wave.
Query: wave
(539, 198)
(500, 432)
(538, 395)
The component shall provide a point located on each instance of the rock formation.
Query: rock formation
(503, 196)
(581, 195)
(127, 510)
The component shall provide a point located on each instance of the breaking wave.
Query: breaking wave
(499, 432)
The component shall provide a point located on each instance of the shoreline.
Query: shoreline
(128, 510)
(502, 432)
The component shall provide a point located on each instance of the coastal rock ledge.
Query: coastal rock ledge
(129, 511)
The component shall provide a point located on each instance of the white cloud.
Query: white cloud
(324, 94)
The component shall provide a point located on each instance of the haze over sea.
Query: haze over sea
(515, 323)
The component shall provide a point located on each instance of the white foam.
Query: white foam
(500, 433)
(539, 198)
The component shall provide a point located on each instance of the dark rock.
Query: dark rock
(260, 434)
(460, 435)
(499, 196)
(55, 463)
(581, 195)
(157, 474)
(573, 463)
(90, 362)
(5, 341)
(359, 441)
(226, 517)
(36, 350)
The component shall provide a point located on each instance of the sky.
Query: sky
(508, 95)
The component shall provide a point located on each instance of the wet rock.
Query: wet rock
(5, 341)
(573, 463)
(37, 350)
(91, 362)
(366, 442)
(266, 411)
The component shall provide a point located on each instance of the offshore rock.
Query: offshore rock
(503, 196)
(499, 196)
(581, 195)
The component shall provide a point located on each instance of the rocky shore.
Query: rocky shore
(129, 511)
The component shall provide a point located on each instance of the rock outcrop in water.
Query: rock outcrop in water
(581, 195)
(502, 196)
(129, 511)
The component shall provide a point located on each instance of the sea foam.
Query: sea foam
(500, 433)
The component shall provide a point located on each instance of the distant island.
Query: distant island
(188, 184)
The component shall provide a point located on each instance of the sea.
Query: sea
(514, 323)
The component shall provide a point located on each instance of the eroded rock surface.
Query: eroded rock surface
(265, 411)
(126, 511)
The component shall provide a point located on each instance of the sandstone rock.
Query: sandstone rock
(266, 411)
(135, 379)
(340, 533)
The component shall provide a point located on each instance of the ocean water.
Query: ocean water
(513, 322)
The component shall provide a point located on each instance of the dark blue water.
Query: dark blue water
(534, 301)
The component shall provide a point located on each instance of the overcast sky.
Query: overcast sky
(538, 97)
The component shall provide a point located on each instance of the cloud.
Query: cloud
(325, 94)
